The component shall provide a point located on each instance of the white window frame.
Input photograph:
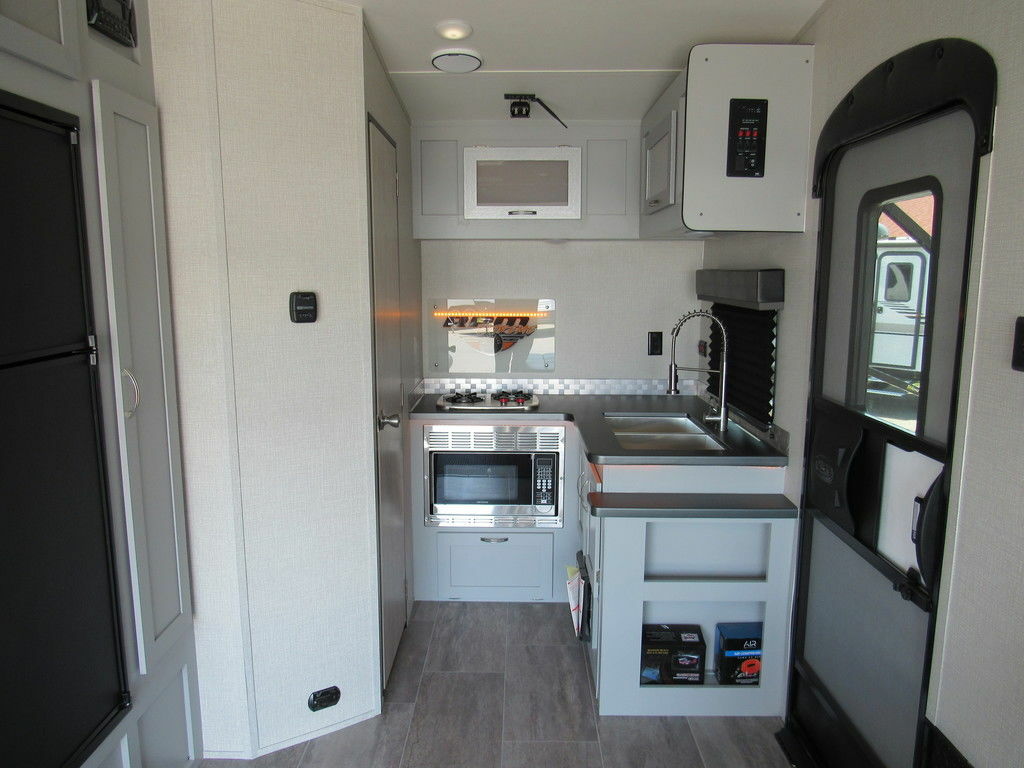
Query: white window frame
(522, 212)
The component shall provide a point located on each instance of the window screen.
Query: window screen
(750, 371)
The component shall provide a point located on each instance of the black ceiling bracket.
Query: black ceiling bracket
(520, 106)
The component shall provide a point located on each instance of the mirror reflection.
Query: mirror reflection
(491, 335)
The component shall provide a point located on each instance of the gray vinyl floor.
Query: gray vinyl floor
(505, 685)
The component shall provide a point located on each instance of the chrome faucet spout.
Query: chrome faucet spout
(721, 416)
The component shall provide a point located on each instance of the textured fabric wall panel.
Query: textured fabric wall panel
(293, 157)
(184, 69)
(607, 294)
(975, 702)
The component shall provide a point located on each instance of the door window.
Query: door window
(889, 349)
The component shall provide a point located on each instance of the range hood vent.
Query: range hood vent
(747, 288)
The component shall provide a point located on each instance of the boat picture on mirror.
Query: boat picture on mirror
(492, 335)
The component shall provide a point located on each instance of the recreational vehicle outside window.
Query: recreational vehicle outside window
(889, 355)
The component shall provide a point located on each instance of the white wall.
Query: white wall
(977, 699)
(266, 194)
(608, 295)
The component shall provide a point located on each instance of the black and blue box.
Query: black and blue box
(672, 654)
(738, 653)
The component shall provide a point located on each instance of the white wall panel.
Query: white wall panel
(267, 191)
(293, 164)
(185, 74)
(976, 702)
(608, 295)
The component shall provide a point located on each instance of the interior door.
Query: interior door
(389, 395)
(887, 355)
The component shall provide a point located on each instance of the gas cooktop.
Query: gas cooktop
(516, 400)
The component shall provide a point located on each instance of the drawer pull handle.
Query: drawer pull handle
(494, 539)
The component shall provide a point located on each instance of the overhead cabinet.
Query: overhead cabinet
(509, 180)
(725, 147)
(527, 182)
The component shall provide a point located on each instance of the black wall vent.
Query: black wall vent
(750, 375)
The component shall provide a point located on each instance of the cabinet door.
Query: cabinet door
(44, 32)
(135, 260)
(659, 168)
(492, 565)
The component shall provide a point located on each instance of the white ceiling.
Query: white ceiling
(587, 59)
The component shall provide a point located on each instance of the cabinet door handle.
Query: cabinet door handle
(522, 213)
(494, 539)
(136, 391)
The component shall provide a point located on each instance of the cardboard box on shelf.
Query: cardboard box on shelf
(672, 654)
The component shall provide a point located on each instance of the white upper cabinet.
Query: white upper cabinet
(528, 182)
(525, 180)
(746, 146)
(725, 147)
(44, 32)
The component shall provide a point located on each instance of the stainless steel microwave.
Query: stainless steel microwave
(494, 476)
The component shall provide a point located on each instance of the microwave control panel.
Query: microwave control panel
(544, 479)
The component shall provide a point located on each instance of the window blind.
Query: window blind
(750, 373)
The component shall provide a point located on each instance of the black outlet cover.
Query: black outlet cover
(325, 697)
(302, 307)
(654, 342)
(1017, 361)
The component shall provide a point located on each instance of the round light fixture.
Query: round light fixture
(453, 29)
(456, 60)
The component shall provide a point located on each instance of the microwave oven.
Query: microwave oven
(494, 476)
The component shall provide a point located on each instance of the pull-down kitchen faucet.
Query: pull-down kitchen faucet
(722, 416)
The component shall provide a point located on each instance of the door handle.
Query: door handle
(494, 539)
(137, 392)
(388, 421)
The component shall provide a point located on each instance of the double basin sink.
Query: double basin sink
(661, 432)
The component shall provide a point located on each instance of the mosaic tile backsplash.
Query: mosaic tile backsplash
(559, 386)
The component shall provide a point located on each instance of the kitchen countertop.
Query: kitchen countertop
(691, 505)
(602, 447)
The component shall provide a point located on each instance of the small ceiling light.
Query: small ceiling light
(453, 29)
(456, 60)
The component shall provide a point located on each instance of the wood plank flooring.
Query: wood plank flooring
(505, 685)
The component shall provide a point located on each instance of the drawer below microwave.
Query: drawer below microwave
(498, 566)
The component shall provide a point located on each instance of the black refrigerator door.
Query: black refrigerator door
(61, 644)
(42, 295)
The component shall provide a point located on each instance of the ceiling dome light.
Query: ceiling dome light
(456, 60)
(453, 29)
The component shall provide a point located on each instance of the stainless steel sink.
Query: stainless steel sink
(655, 432)
(653, 424)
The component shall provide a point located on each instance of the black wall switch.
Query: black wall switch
(1018, 346)
(325, 697)
(654, 342)
(302, 307)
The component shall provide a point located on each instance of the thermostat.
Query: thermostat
(302, 307)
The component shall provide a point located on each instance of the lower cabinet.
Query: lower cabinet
(698, 570)
(491, 565)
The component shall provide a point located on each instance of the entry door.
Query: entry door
(388, 390)
(887, 357)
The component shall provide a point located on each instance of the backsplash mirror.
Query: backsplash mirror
(491, 335)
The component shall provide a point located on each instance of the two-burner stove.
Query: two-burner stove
(503, 400)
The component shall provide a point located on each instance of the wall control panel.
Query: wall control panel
(748, 124)
(302, 307)
(544, 480)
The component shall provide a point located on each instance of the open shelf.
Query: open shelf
(642, 585)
